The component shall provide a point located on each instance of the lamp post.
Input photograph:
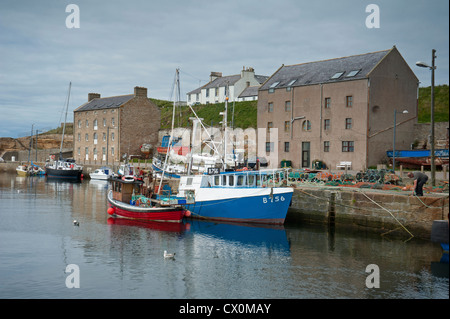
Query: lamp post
(393, 144)
(432, 68)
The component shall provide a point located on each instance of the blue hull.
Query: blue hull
(257, 209)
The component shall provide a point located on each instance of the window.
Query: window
(104, 122)
(216, 91)
(79, 138)
(349, 101)
(337, 75)
(352, 73)
(274, 84)
(292, 82)
(113, 121)
(112, 136)
(348, 123)
(270, 107)
(306, 125)
(348, 146)
(287, 126)
(207, 92)
(269, 126)
(86, 137)
(79, 123)
(326, 146)
(328, 102)
(287, 106)
(286, 147)
(79, 151)
(104, 137)
(87, 123)
(112, 151)
(251, 180)
(231, 180)
(269, 147)
(240, 180)
(326, 124)
(95, 124)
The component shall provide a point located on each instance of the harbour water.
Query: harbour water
(40, 246)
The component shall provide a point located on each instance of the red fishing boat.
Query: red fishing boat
(126, 199)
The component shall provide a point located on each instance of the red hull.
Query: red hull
(166, 216)
(161, 214)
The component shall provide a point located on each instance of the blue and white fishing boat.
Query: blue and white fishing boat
(238, 196)
(232, 196)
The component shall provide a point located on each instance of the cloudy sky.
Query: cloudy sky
(121, 44)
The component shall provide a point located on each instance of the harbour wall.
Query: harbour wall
(385, 212)
(390, 213)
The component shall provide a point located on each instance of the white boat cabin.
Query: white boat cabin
(236, 179)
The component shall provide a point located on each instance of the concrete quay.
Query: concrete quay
(390, 213)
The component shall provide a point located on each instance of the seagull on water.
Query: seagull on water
(167, 255)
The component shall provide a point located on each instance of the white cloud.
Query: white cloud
(122, 44)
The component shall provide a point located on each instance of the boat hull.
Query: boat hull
(249, 205)
(63, 173)
(160, 214)
(21, 172)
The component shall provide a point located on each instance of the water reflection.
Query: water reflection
(124, 259)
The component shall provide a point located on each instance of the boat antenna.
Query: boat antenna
(65, 119)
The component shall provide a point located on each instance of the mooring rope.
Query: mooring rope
(389, 213)
(401, 225)
(426, 204)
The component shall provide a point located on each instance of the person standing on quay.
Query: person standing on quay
(419, 180)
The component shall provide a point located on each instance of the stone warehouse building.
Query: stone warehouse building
(105, 129)
(340, 109)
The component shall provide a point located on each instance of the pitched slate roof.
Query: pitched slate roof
(105, 103)
(249, 91)
(326, 71)
(224, 80)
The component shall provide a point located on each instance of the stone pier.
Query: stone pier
(380, 211)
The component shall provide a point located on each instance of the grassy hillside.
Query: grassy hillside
(244, 114)
(440, 104)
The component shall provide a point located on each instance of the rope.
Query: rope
(388, 212)
(363, 208)
(424, 203)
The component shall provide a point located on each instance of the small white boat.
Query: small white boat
(101, 173)
(22, 170)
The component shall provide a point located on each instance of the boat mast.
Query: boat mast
(177, 85)
(64, 126)
(225, 139)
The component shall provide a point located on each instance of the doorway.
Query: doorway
(306, 160)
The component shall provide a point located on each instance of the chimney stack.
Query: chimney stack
(92, 96)
(140, 91)
(215, 75)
